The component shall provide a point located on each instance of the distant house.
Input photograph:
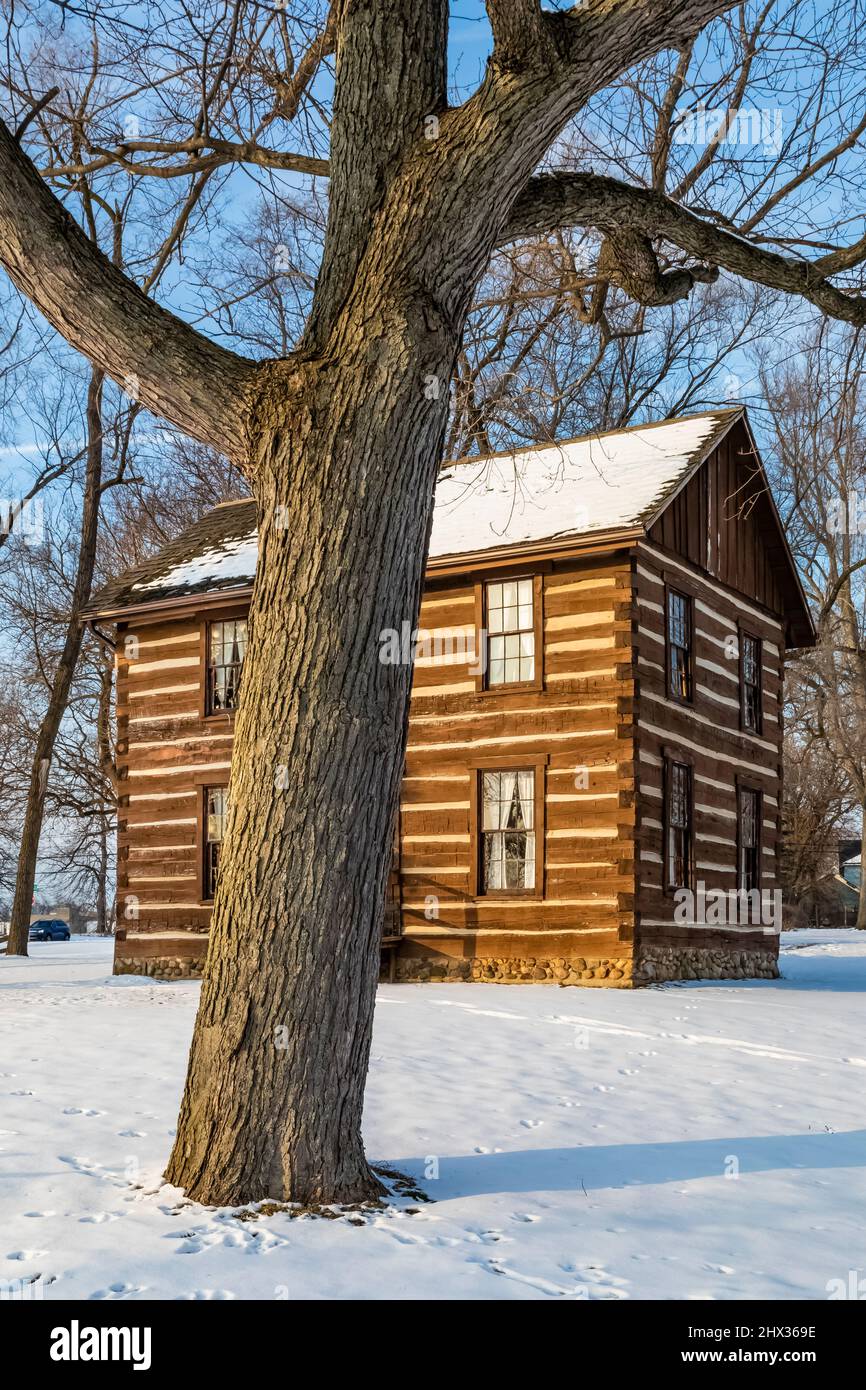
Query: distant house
(851, 870)
(593, 780)
(844, 899)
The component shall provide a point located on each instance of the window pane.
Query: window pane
(752, 658)
(507, 821)
(216, 805)
(491, 795)
(679, 645)
(227, 646)
(510, 632)
(509, 619)
(679, 829)
(492, 862)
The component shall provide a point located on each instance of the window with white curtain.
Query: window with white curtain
(510, 632)
(508, 830)
(226, 649)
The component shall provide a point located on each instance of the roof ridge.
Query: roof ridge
(719, 412)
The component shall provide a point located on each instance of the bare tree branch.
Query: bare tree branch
(171, 368)
(594, 200)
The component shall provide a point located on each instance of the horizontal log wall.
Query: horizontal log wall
(708, 735)
(581, 721)
(167, 751)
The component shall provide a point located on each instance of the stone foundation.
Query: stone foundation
(655, 964)
(658, 963)
(160, 967)
(613, 972)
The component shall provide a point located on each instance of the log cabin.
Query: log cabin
(593, 779)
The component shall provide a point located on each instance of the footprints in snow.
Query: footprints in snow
(589, 1281)
(234, 1236)
(118, 1291)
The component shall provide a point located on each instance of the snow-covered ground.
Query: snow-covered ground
(690, 1141)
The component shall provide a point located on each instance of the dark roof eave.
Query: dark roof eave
(206, 598)
(536, 550)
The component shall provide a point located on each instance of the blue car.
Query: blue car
(49, 929)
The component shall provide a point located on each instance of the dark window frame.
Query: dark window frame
(204, 790)
(675, 759)
(531, 762)
(220, 615)
(746, 788)
(747, 635)
(675, 590)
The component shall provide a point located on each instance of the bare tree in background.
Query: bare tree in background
(340, 437)
(818, 413)
(817, 805)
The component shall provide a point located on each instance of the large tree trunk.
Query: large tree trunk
(274, 1093)
(22, 903)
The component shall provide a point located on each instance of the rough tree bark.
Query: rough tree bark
(341, 443)
(19, 925)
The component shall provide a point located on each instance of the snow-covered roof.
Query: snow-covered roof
(230, 563)
(598, 484)
(603, 482)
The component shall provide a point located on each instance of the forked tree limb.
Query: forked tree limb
(550, 201)
(173, 370)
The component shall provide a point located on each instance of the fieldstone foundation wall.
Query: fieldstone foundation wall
(614, 972)
(160, 967)
(658, 963)
(655, 964)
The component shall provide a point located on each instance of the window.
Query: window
(679, 645)
(510, 616)
(751, 658)
(679, 826)
(215, 807)
(749, 871)
(507, 831)
(226, 649)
